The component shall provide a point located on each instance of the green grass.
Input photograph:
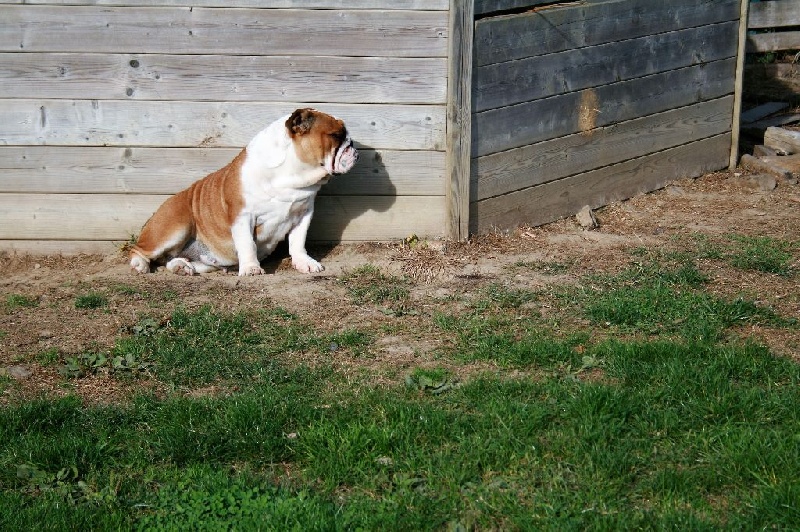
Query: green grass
(91, 300)
(646, 411)
(751, 253)
(14, 301)
(698, 436)
(667, 297)
(367, 284)
(203, 347)
(763, 254)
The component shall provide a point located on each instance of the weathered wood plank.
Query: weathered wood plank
(762, 111)
(500, 39)
(429, 5)
(61, 247)
(741, 41)
(511, 127)
(228, 78)
(773, 42)
(784, 141)
(551, 160)
(459, 118)
(774, 14)
(557, 199)
(204, 124)
(117, 216)
(95, 29)
(513, 82)
(112, 170)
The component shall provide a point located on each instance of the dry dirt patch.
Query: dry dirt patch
(716, 204)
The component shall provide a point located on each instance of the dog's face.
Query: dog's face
(320, 139)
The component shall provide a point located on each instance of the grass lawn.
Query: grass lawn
(638, 400)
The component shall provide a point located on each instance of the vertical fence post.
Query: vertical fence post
(459, 116)
(738, 88)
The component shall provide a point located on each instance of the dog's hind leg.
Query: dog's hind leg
(165, 234)
(182, 266)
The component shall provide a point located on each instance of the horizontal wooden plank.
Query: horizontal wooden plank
(204, 124)
(512, 37)
(774, 14)
(558, 199)
(514, 82)
(117, 216)
(773, 42)
(189, 30)
(512, 170)
(519, 125)
(762, 111)
(430, 5)
(61, 247)
(112, 170)
(225, 78)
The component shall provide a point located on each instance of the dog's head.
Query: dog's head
(321, 139)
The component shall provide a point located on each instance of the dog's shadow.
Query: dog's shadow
(366, 188)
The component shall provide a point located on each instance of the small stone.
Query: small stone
(384, 461)
(763, 182)
(44, 335)
(18, 372)
(37, 266)
(586, 218)
(437, 245)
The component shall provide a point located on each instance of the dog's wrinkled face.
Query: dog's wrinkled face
(321, 139)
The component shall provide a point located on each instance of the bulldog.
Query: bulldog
(238, 214)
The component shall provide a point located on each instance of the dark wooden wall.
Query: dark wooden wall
(773, 68)
(592, 102)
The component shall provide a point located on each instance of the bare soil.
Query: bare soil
(442, 274)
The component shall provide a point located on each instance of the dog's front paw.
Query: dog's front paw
(140, 264)
(251, 269)
(307, 265)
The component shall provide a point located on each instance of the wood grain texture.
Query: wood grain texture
(459, 118)
(500, 39)
(111, 170)
(565, 197)
(512, 127)
(117, 216)
(773, 42)
(429, 5)
(774, 14)
(224, 78)
(235, 31)
(551, 160)
(63, 247)
(741, 42)
(204, 124)
(514, 82)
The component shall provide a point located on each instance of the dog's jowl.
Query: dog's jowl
(238, 214)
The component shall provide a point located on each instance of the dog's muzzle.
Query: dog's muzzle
(345, 158)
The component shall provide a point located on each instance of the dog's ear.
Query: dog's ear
(300, 122)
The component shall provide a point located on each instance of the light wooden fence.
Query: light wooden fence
(109, 106)
(470, 114)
